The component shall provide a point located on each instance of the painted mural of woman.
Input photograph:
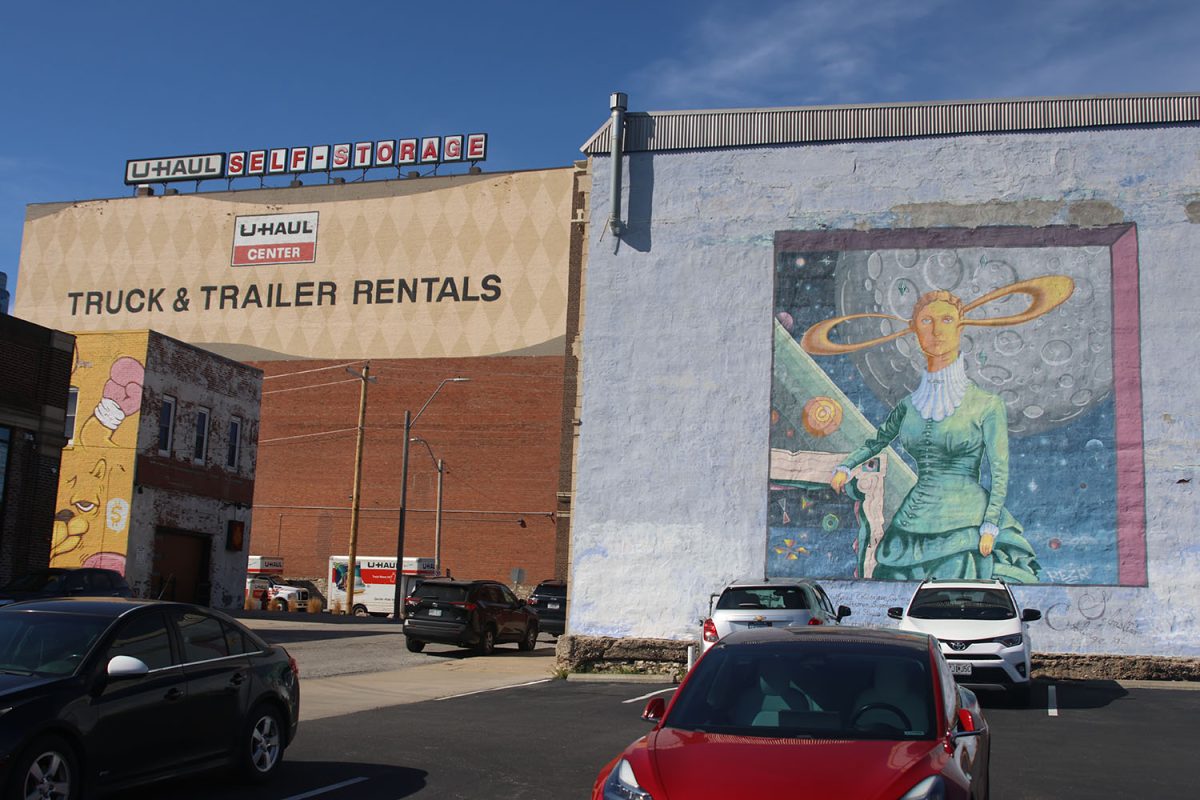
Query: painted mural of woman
(949, 525)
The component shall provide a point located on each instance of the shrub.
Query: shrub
(314, 605)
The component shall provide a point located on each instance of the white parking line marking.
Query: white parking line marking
(325, 789)
(1052, 701)
(497, 689)
(648, 696)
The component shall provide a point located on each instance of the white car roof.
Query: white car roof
(976, 583)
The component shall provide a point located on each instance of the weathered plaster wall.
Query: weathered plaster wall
(677, 361)
(177, 492)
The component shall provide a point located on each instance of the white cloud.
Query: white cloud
(807, 52)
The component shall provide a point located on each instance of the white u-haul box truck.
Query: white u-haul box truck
(374, 582)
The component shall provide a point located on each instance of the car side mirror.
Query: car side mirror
(966, 725)
(843, 612)
(654, 710)
(896, 612)
(126, 667)
(1030, 615)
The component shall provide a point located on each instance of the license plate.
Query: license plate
(435, 612)
(553, 606)
(758, 623)
(960, 668)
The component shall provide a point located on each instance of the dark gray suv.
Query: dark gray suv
(549, 600)
(475, 614)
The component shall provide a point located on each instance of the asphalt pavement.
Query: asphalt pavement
(380, 722)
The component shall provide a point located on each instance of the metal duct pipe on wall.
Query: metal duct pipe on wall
(618, 102)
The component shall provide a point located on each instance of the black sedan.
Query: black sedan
(99, 694)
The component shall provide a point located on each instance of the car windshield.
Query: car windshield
(442, 591)
(550, 590)
(948, 603)
(35, 582)
(762, 597)
(34, 643)
(817, 688)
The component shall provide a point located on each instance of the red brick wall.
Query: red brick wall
(499, 435)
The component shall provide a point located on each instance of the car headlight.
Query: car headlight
(622, 785)
(932, 788)
(1011, 641)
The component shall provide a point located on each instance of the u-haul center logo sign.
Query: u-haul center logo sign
(275, 239)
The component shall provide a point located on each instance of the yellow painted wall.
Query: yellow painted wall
(91, 527)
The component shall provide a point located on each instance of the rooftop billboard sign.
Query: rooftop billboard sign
(309, 158)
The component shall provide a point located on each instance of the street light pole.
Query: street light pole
(440, 466)
(409, 421)
(397, 600)
(437, 523)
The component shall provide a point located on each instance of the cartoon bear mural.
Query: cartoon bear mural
(96, 483)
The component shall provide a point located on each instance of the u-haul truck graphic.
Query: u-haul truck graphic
(374, 581)
(275, 239)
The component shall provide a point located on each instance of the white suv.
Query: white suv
(983, 633)
(775, 602)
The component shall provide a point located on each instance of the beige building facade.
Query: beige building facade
(452, 267)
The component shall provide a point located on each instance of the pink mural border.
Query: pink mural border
(1121, 240)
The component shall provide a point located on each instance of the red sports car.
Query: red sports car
(810, 712)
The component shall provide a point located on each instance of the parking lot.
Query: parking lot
(547, 739)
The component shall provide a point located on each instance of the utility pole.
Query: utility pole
(352, 562)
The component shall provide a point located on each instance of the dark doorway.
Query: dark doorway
(181, 566)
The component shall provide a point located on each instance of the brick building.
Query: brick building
(158, 476)
(36, 365)
(427, 279)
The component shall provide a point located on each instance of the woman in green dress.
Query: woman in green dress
(949, 526)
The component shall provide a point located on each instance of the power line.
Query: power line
(306, 371)
(313, 386)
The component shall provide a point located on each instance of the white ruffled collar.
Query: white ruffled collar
(941, 392)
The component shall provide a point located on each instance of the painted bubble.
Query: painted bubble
(1055, 544)
(943, 270)
(1056, 351)
(1009, 343)
(830, 522)
(801, 261)
(786, 320)
(1033, 412)
(874, 266)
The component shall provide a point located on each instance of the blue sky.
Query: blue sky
(88, 85)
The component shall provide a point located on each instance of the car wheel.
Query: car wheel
(360, 611)
(414, 645)
(262, 744)
(487, 641)
(530, 638)
(1018, 696)
(47, 769)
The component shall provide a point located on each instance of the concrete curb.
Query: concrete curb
(1179, 686)
(618, 677)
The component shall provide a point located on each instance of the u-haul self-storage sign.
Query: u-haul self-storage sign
(275, 239)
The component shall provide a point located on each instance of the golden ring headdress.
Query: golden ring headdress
(1045, 293)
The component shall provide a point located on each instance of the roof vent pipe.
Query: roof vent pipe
(618, 102)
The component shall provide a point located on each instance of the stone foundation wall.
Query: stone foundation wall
(669, 657)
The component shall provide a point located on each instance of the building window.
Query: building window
(166, 425)
(72, 406)
(200, 453)
(235, 443)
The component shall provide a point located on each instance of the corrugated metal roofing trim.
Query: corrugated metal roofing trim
(690, 130)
